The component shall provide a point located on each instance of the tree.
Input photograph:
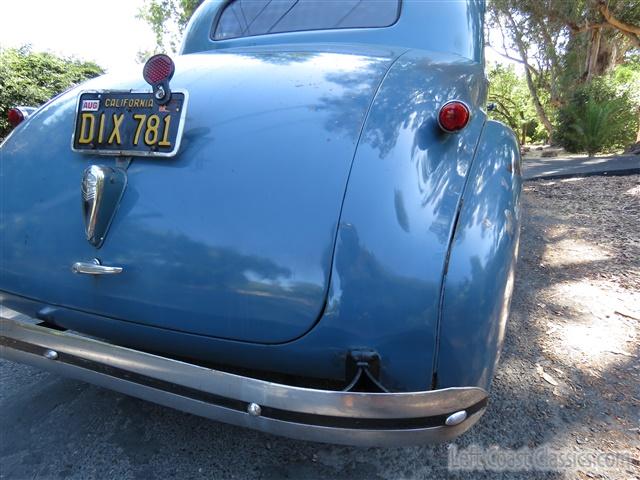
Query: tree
(509, 93)
(525, 31)
(168, 19)
(31, 78)
(564, 44)
(626, 19)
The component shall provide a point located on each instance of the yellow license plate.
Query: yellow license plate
(129, 123)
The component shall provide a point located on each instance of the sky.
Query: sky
(105, 31)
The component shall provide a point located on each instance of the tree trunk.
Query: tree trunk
(608, 54)
(588, 56)
(550, 49)
(594, 51)
(542, 115)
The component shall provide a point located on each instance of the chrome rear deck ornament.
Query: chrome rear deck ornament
(102, 190)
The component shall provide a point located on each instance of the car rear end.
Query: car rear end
(258, 237)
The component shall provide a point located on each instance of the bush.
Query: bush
(31, 78)
(598, 117)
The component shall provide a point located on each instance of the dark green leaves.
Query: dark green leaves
(31, 78)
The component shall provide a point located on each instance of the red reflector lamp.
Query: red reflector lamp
(157, 72)
(15, 116)
(453, 116)
(158, 69)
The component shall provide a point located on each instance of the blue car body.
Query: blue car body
(314, 209)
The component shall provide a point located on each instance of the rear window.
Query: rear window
(246, 18)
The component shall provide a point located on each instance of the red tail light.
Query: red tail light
(453, 116)
(158, 68)
(15, 116)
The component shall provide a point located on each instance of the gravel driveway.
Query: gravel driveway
(568, 377)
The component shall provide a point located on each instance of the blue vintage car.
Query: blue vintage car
(305, 225)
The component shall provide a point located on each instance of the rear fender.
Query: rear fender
(479, 279)
(399, 211)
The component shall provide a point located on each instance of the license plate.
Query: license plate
(129, 123)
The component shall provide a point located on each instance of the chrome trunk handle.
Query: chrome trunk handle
(94, 268)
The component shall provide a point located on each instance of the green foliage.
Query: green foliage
(167, 19)
(564, 44)
(626, 79)
(509, 93)
(31, 78)
(598, 117)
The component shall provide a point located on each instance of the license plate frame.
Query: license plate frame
(127, 150)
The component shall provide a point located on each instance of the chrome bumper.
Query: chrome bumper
(367, 419)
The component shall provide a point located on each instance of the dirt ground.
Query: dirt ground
(572, 349)
(568, 378)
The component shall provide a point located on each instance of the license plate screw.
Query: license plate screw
(51, 354)
(254, 410)
(160, 93)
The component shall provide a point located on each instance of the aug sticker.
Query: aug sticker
(90, 105)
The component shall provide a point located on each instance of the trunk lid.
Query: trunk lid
(234, 236)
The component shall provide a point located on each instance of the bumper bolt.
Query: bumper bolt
(254, 410)
(51, 354)
(456, 418)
